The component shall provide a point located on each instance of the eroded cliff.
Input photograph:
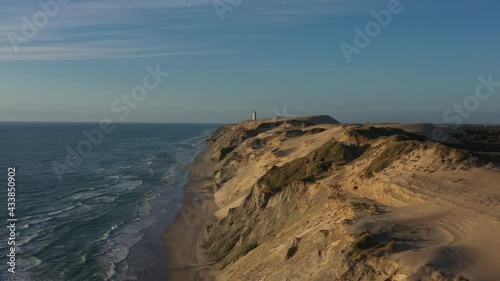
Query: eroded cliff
(311, 199)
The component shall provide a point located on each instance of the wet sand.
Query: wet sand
(186, 259)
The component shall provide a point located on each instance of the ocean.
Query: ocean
(85, 224)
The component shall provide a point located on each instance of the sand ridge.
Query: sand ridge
(392, 206)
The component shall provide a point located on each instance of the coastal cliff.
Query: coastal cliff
(311, 199)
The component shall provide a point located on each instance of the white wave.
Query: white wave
(26, 238)
(126, 186)
(78, 209)
(107, 233)
(149, 161)
(105, 199)
(27, 263)
(170, 172)
(86, 195)
(118, 252)
(56, 212)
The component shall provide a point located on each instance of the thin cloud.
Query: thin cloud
(95, 52)
(128, 28)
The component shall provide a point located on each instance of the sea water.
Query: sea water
(82, 225)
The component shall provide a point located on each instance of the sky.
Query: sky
(226, 58)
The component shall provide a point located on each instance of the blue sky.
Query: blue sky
(264, 56)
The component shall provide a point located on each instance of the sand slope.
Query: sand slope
(301, 200)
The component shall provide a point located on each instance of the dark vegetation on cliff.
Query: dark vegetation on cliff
(373, 133)
(247, 226)
(483, 142)
(394, 151)
(228, 137)
(309, 168)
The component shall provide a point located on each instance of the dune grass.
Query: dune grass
(372, 133)
(392, 152)
(308, 168)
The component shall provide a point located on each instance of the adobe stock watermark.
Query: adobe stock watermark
(193, 209)
(363, 37)
(459, 112)
(122, 108)
(283, 113)
(223, 6)
(48, 9)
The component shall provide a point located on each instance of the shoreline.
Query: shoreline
(186, 259)
(330, 215)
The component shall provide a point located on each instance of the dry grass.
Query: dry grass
(392, 152)
(372, 133)
(364, 242)
(309, 168)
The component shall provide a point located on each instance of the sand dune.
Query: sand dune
(428, 130)
(301, 200)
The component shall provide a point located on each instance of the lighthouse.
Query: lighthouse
(254, 115)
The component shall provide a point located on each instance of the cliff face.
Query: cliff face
(310, 199)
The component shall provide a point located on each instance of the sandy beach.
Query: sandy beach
(186, 257)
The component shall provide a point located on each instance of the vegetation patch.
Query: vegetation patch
(220, 246)
(279, 177)
(315, 131)
(367, 245)
(484, 135)
(225, 151)
(488, 157)
(372, 133)
(291, 252)
(293, 133)
(309, 168)
(250, 247)
(392, 152)
(364, 242)
(328, 154)
(238, 252)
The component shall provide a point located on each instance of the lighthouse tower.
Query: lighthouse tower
(254, 116)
